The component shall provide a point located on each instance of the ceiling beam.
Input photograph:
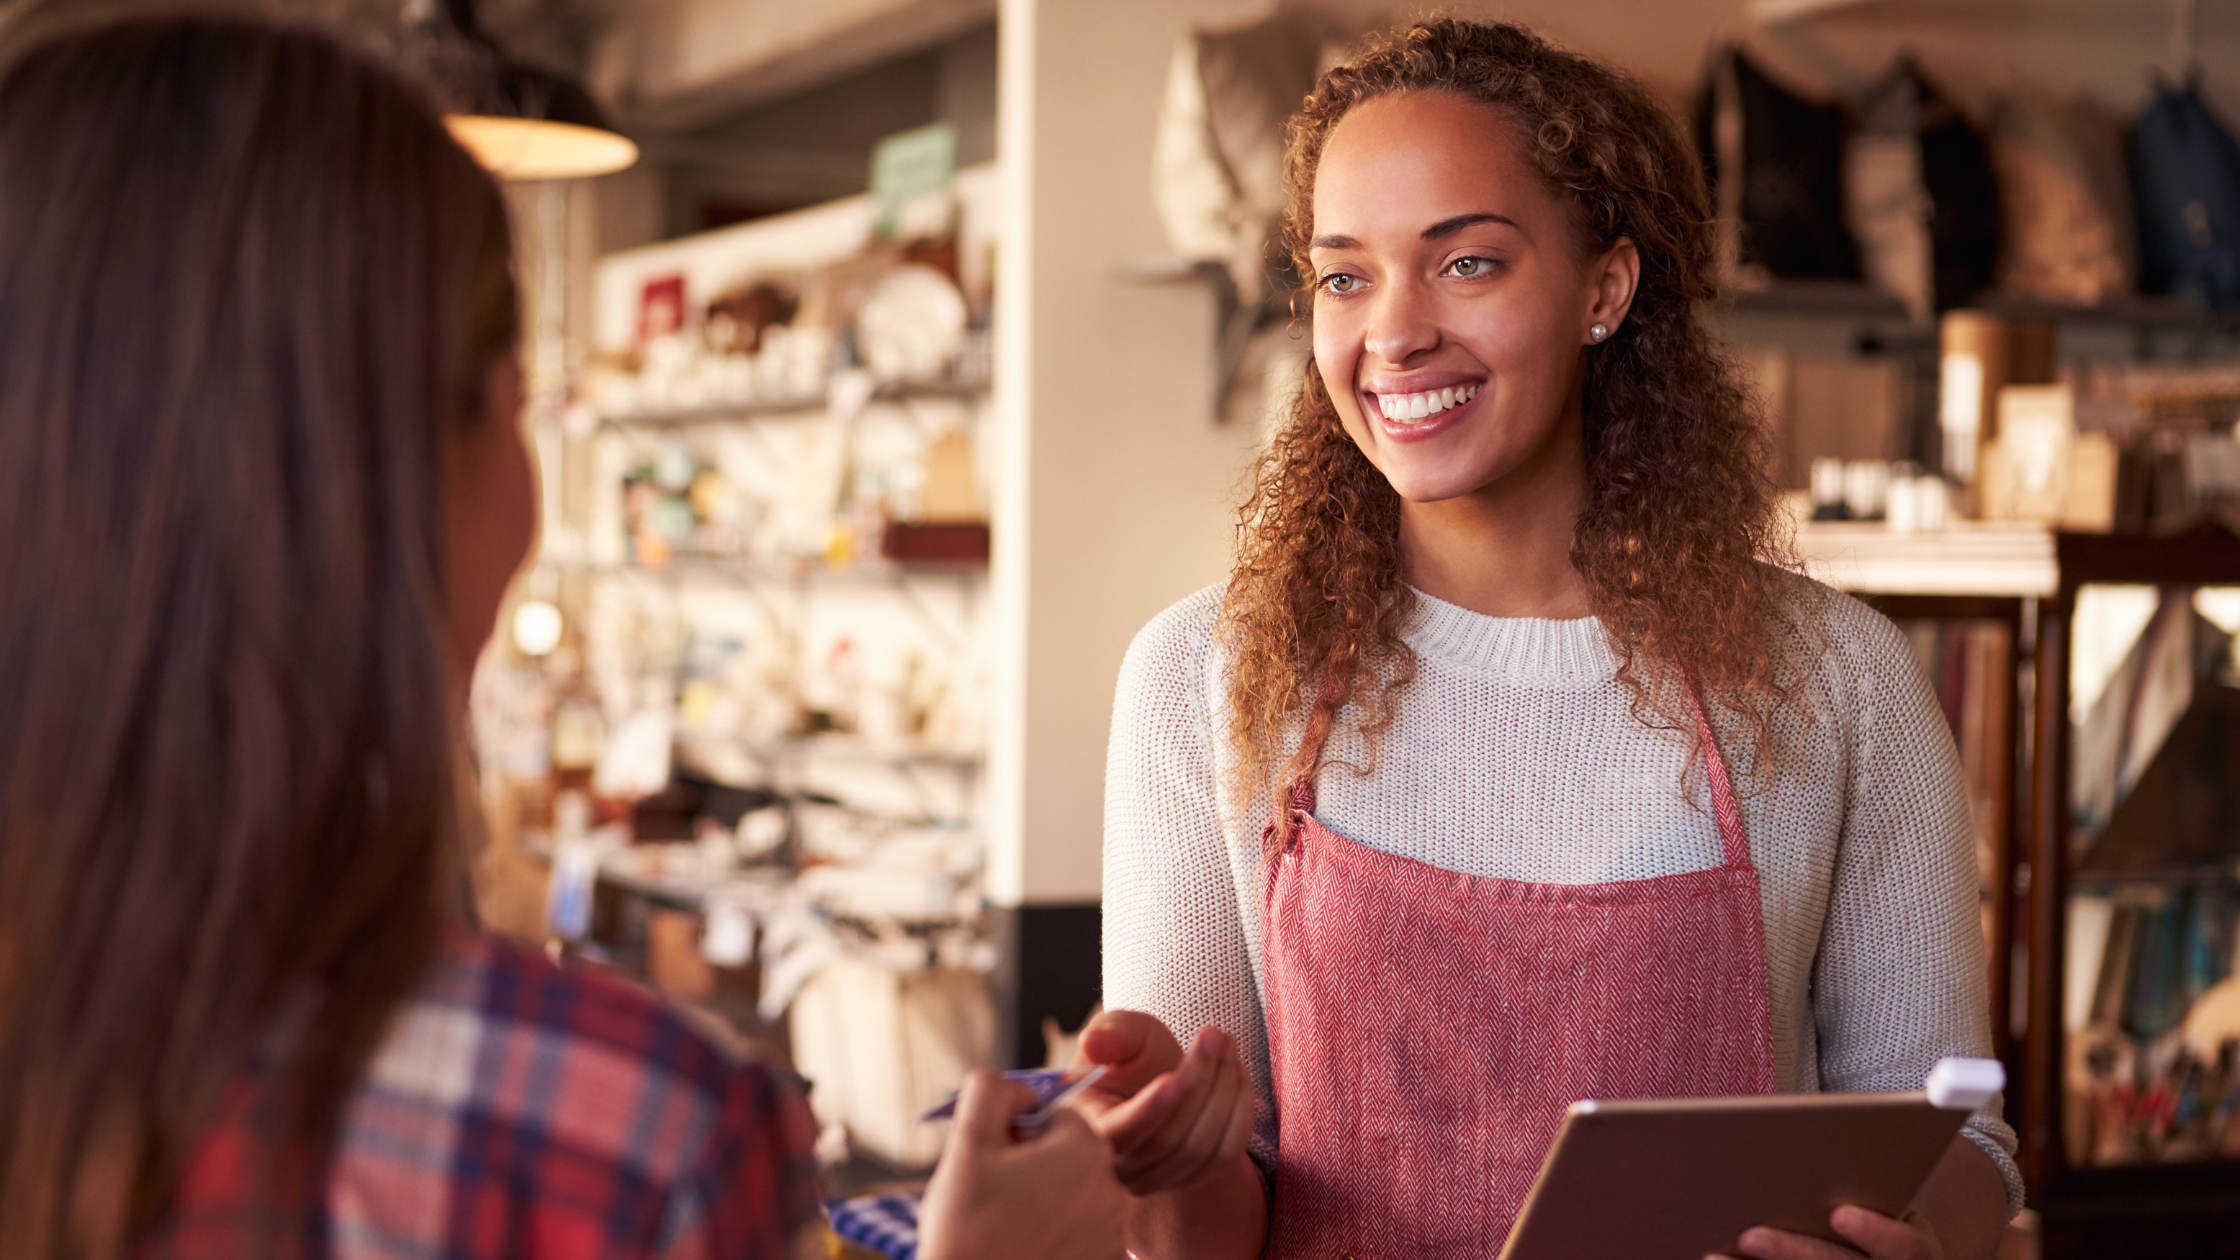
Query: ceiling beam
(677, 64)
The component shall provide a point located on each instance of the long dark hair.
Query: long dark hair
(1679, 516)
(247, 284)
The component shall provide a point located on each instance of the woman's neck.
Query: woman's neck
(1505, 550)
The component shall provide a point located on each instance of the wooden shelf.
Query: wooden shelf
(743, 569)
(1968, 558)
(2010, 561)
(834, 748)
(757, 408)
(2206, 555)
(1848, 299)
(2129, 311)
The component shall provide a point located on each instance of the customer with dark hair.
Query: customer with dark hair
(262, 487)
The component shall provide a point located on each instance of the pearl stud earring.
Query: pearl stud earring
(1598, 332)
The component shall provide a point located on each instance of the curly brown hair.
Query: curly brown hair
(1677, 539)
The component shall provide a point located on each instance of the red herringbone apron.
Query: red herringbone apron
(1428, 1028)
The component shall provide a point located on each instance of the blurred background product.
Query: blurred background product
(1775, 162)
(2186, 167)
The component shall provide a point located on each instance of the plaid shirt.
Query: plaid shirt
(519, 1110)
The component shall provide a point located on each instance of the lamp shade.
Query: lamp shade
(536, 148)
(519, 121)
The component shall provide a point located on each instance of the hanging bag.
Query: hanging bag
(1788, 194)
(2185, 171)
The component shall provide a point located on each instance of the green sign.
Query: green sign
(911, 164)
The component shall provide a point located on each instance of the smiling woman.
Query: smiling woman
(1630, 810)
(1435, 169)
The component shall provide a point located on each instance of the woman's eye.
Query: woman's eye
(1340, 282)
(1472, 266)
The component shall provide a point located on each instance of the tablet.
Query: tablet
(1678, 1179)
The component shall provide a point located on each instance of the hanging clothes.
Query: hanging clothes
(1885, 200)
(1790, 202)
(1923, 194)
(1964, 218)
(2185, 174)
(2063, 186)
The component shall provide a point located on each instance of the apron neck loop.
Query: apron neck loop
(1726, 808)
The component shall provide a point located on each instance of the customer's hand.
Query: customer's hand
(1049, 1197)
(1173, 1119)
(1870, 1234)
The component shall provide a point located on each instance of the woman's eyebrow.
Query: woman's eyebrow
(1444, 227)
(1448, 227)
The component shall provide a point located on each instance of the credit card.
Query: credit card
(1053, 1088)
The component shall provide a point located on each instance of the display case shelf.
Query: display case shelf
(760, 408)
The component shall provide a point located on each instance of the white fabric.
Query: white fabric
(1515, 755)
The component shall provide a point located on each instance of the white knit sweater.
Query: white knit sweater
(1515, 756)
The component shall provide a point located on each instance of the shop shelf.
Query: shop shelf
(848, 748)
(1968, 558)
(743, 569)
(756, 408)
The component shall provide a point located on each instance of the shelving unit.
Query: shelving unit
(2030, 578)
(687, 568)
(753, 408)
(2162, 1209)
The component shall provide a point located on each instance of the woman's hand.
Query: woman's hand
(1960, 1213)
(1173, 1119)
(1870, 1233)
(1049, 1197)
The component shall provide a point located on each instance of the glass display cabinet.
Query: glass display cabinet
(2131, 892)
(2093, 688)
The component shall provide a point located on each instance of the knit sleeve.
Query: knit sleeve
(1175, 939)
(1901, 980)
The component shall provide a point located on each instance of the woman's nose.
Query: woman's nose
(1400, 324)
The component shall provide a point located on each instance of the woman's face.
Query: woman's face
(1451, 304)
(491, 505)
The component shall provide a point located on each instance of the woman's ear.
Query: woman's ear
(1614, 276)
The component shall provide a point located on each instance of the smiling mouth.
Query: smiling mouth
(1409, 408)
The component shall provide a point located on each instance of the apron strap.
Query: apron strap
(1302, 788)
(1726, 808)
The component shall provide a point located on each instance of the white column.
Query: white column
(1117, 491)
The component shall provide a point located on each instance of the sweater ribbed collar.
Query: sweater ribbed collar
(1570, 651)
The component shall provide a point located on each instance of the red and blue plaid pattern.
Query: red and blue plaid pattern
(518, 1110)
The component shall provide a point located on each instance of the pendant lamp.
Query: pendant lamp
(521, 122)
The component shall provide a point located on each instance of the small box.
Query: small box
(942, 542)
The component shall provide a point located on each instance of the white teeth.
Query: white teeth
(1409, 407)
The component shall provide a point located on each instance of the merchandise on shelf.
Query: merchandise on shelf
(2152, 1005)
(777, 718)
